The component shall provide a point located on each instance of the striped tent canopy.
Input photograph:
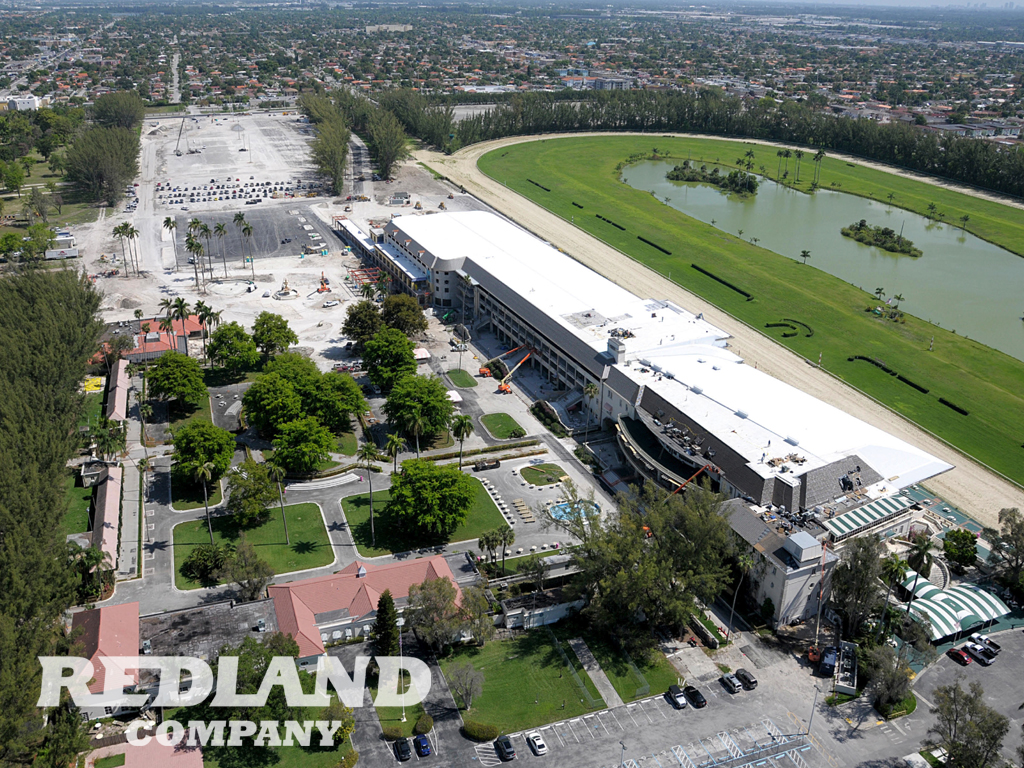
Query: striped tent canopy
(952, 610)
(851, 522)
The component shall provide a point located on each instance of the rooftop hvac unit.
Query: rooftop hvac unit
(792, 440)
(742, 414)
(696, 390)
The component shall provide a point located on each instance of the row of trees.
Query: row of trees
(48, 330)
(980, 163)
(329, 148)
(102, 161)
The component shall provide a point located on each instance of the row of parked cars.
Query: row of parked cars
(980, 648)
(734, 682)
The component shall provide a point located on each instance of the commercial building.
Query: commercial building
(678, 397)
(107, 633)
(951, 611)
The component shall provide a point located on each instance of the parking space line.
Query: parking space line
(612, 713)
(560, 741)
(628, 712)
(572, 731)
(642, 709)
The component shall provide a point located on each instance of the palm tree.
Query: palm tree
(369, 290)
(220, 230)
(166, 305)
(787, 154)
(880, 293)
(818, 157)
(462, 427)
(133, 235)
(489, 543)
(931, 210)
(590, 391)
(145, 413)
(247, 231)
(277, 473)
(744, 562)
(193, 246)
(170, 225)
(778, 173)
(138, 316)
(393, 447)
(805, 255)
(239, 221)
(799, 156)
(506, 537)
(206, 232)
(963, 222)
(739, 232)
(181, 311)
(920, 558)
(384, 284)
(203, 475)
(749, 154)
(894, 569)
(898, 298)
(120, 231)
(417, 423)
(368, 452)
(202, 314)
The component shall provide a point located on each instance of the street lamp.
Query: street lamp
(817, 690)
(400, 622)
(622, 755)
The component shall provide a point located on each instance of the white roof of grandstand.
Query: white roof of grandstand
(850, 522)
(412, 270)
(687, 363)
(952, 610)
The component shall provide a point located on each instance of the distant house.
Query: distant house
(117, 392)
(107, 516)
(107, 632)
(343, 605)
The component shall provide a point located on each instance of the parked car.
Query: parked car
(422, 745)
(980, 653)
(829, 657)
(536, 742)
(986, 642)
(696, 697)
(402, 750)
(959, 656)
(505, 749)
(331, 303)
(676, 697)
(748, 680)
(731, 682)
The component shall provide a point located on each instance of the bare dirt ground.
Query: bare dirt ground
(970, 486)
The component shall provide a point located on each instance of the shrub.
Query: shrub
(517, 432)
(349, 760)
(546, 415)
(392, 732)
(479, 731)
(204, 561)
(424, 724)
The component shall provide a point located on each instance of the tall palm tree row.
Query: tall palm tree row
(394, 446)
(368, 453)
(170, 225)
(180, 310)
(203, 475)
(462, 427)
(239, 221)
(277, 473)
(247, 230)
(220, 230)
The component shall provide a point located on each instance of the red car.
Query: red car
(959, 656)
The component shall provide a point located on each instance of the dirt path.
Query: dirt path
(970, 486)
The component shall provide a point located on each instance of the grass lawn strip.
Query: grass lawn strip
(186, 495)
(392, 716)
(500, 425)
(347, 443)
(92, 409)
(483, 516)
(461, 378)
(113, 761)
(179, 418)
(542, 474)
(960, 370)
(310, 547)
(525, 685)
(76, 519)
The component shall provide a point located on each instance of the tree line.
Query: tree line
(48, 330)
(978, 163)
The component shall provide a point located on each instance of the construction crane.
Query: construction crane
(691, 479)
(484, 371)
(504, 387)
(182, 128)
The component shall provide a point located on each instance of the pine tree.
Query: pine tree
(385, 628)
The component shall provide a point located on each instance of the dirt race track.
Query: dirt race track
(970, 486)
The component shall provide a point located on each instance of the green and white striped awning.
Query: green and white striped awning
(853, 521)
(952, 610)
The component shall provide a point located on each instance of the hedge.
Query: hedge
(392, 732)
(424, 724)
(546, 415)
(349, 760)
(479, 731)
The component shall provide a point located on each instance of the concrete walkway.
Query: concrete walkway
(598, 677)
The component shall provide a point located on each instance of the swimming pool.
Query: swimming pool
(565, 510)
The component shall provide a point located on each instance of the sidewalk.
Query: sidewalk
(597, 676)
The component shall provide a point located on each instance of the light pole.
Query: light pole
(622, 755)
(817, 690)
(400, 622)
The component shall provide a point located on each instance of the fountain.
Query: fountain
(286, 293)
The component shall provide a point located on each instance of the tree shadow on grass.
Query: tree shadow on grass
(391, 534)
(304, 547)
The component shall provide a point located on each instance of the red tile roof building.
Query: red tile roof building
(110, 631)
(348, 597)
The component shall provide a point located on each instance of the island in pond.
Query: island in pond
(880, 237)
(737, 182)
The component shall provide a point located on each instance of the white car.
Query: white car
(331, 303)
(536, 742)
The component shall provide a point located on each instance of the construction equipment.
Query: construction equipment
(504, 387)
(691, 479)
(418, 206)
(486, 371)
(182, 128)
(442, 206)
(325, 284)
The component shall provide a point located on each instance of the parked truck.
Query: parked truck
(481, 466)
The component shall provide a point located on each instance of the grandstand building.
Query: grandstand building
(677, 396)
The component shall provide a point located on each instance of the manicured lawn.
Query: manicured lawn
(525, 685)
(76, 519)
(542, 474)
(180, 417)
(347, 443)
(962, 371)
(658, 672)
(499, 424)
(110, 762)
(461, 378)
(187, 494)
(310, 547)
(91, 409)
(392, 716)
(483, 516)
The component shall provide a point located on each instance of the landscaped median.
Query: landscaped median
(502, 426)
(483, 516)
(461, 378)
(542, 474)
(310, 544)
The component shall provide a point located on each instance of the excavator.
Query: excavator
(504, 388)
(325, 284)
(487, 371)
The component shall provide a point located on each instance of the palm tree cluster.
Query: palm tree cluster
(499, 538)
(127, 231)
(199, 231)
(180, 310)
